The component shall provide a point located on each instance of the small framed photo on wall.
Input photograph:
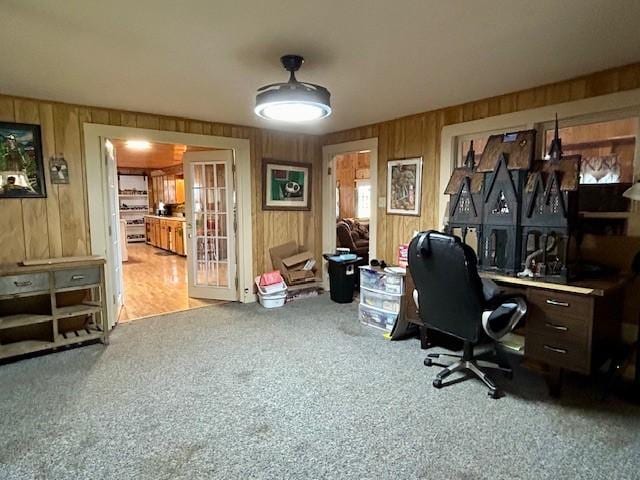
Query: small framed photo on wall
(21, 168)
(404, 186)
(286, 185)
(58, 170)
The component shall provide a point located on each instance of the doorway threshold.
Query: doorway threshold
(209, 303)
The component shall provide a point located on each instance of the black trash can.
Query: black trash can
(343, 277)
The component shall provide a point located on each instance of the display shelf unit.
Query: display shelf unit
(133, 196)
(51, 303)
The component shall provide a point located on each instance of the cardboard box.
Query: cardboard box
(290, 260)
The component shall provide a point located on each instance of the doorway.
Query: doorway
(154, 238)
(353, 201)
(168, 238)
(350, 187)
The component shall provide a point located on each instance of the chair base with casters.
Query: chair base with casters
(467, 362)
(507, 313)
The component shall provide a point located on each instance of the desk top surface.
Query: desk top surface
(50, 264)
(596, 287)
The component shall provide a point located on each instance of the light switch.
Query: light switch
(382, 202)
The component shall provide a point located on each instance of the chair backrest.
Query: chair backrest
(445, 274)
(343, 233)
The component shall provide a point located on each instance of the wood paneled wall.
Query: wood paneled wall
(59, 226)
(420, 135)
(276, 227)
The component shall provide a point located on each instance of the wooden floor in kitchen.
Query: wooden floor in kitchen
(155, 282)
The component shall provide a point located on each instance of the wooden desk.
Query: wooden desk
(597, 287)
(571, 327)
(568, 327)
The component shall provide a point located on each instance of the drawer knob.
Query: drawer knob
(557, 303)
(555, 349)
(560, 328)
(26, 283)
(75, 278)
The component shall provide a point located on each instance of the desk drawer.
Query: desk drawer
(17, 284)
(77, 277)
(558, 352)
(564, 305)
(562, 327)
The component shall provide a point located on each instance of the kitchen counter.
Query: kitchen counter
(160, 217)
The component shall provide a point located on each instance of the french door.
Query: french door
(210, 208)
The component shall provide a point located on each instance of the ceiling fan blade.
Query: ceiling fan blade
(313, 85)
(266, 87)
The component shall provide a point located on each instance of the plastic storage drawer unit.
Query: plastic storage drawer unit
(377, 318)
(381, 281)
(384, 301)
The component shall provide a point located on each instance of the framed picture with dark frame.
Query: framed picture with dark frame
(286, 185)
(21, 165)
(404, 186)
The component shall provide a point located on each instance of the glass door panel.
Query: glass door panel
(209, 214)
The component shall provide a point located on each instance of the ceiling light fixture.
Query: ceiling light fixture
(293, 101)
(138, 144)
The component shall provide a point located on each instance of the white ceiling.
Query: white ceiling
(380, 59)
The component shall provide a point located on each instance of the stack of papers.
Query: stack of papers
(513, 342)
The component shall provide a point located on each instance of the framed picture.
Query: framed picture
(286, 185)
(21, 169)
(58, 170)
(404, 186)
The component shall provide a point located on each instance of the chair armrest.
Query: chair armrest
(506, 312)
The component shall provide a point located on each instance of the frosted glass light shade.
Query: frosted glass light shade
(292, 111)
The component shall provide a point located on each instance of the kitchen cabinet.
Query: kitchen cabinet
(148, 230)
(179, 240)
(168, 189)
(171, 189)
(152, 226)
(158, 192)
(179, 190)
(166, 233)
(156, 232)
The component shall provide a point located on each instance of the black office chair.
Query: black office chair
(452, 299)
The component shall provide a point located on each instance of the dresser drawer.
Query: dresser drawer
(77, 277)
(558, 352)
(558, 305)
(17, 284)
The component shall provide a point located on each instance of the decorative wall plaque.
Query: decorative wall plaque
(59, 170)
